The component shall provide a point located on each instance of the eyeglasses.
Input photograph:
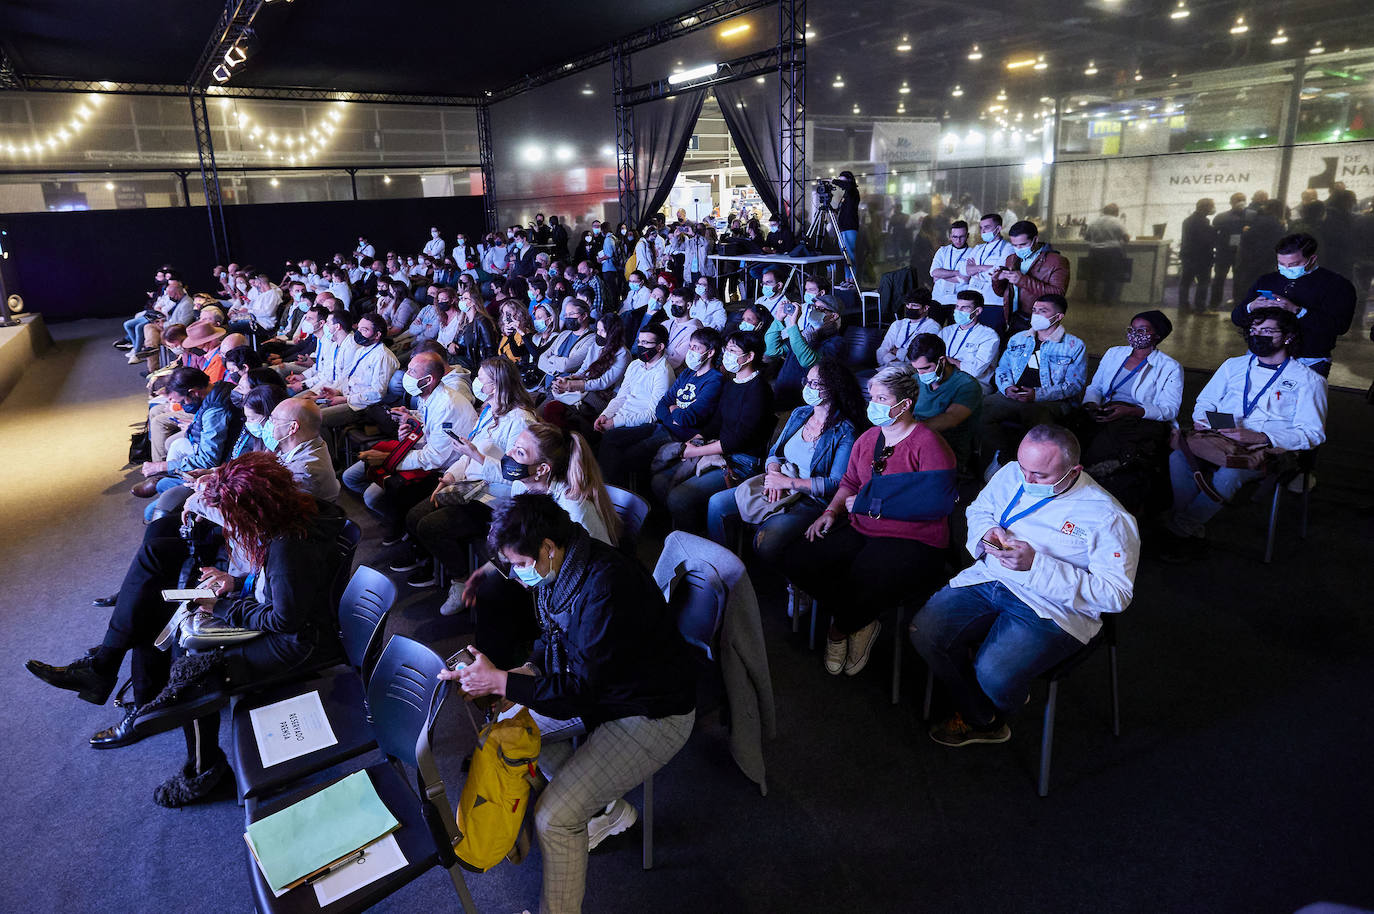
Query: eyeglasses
(1266, 331)
(814, 385)
(880, 458)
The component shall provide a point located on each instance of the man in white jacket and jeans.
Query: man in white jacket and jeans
(646, 381)
(1052, 552)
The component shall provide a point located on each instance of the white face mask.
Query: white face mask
(1040, 322)
(694, 359)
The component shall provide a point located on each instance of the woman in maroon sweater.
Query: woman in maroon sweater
(860, 559)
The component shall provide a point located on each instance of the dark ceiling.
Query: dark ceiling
(400, 46)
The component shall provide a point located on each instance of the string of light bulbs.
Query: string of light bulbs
(55, 139)
(294, 147)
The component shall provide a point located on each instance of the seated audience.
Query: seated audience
(213, 426)
(583, 393)
(618, 663)
(916, 319)
(328, 367)
(476, 336)
(1272, 403)
(576, 338)
(681, 326)
(804, 467)
(971, 346)
(1052, 552)
(861, 557)
(1039, 378)
(370, 366)
(732, 443)
(706, 307)
(950, 402)
(681, 413)
(805, 335)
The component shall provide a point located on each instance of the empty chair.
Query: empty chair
(632, 511)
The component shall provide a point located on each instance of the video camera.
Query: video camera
(825, 191)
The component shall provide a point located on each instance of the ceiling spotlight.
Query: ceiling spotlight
(1018, 64)
(563, 153)
(220, 73)
(109, 185)
(735, 30)
(901, 107)
(905, 44)
(957, 91)
(274, 182)
(1002, 95)
(1240, 28)
(1316, 49)
(856, 109)
(839, 81)
(975, 54)
(1090, 69)
(694, 73)
(234, 56)
(1181, 11)
(386, 179)
(1138, 77)
(1280, 37)
(587, 89)
(905, 89)
(1040, 63)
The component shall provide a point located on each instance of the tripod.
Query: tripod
(821, 221)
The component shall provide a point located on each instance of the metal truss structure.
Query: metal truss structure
(488, 165)
(792, 194)
(626, 182)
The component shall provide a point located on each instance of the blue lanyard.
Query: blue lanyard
(1245, 401)
(955, 266)
(954, 353)
(1117, 384)
(1008, 518)
(248, 584)
(367, 351)
(481, 421)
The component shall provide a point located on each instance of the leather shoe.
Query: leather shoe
(146, 489)
(123, 733)
(111, 600)
(79, 676)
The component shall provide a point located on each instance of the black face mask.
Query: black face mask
(601, 339)
(679, 310)
(572, 323)
(648, 355)
(512, 469)
(1263, 346)
(236, 397)
(360, 339)
(190, 406)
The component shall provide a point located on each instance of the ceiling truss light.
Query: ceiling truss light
(735, 30)
(905, 89)
(957, 91)
(59, 136)
(974, 53)
(1138, 76)
(839, 81)
(1280, 37)
(1316, 49)
(234, 56)
(1181, 11)
(856, 109)
(904, 45)
(694, 73)
(1020, 64)
(1040, 63)
(1090, 69)
(1240, 28)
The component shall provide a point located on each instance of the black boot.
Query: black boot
(189, 786)
(86, 677)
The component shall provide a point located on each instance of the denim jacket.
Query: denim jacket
(213, 431)
(831, 457)
(1063, 365)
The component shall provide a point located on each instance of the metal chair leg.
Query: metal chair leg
(794, 608)
(897, 656)
(649, 822)
(815, 614)
(1047, 740)
(930, 691)
(1116, 692)
(1273, 524)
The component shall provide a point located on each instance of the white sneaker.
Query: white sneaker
(860, 644)
(614, 819)
(835, 654)
(454, 604)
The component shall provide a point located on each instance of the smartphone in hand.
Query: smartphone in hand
(461, 659)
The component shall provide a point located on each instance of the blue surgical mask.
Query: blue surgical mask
(808, 297)
(529, 574)
(1024, 252)
(534, 294)
(693, 359)
(479, 392)
(634, 286)
(811, 396)
(540, 324)
(747, 327)
(879, 414)
(928, 377)
(767, 289)
(962, 317)
(1043, 489)
(989, 237)
(1296, 272)
(268, 436)
(730, 362)
(254, 429)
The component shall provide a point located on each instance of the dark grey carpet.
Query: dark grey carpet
(1240, 782)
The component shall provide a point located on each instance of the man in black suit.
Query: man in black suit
(1195, 256)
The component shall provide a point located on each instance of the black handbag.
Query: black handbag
(923, 495)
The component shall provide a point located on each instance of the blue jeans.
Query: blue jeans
(133, 330)
(849, 240)
(688, 500)
(1014, 645)
(1192, 508)
(167, 504)
(374, 496)
(770, 537)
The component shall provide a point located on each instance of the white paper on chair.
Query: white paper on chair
(291, 728)
(379, 859)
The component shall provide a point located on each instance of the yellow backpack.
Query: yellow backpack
(491, 810)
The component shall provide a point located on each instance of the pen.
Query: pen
(359, 857)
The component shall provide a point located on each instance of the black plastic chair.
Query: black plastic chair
(1301, 467)
(861, 347)
(405, 694)
(363, 611)
(1053, 676)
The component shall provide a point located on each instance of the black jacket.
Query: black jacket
(1198, 239)
(1227, 228)
(476, 343)
(626, 657)
(1328, 297)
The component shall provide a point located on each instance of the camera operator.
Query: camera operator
(848, 219)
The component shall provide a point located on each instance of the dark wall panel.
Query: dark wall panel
(98, 264)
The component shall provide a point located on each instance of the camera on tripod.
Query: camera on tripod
(825, 191)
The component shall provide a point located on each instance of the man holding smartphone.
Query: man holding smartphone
(1052, 552)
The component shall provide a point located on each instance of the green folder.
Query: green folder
(322, 829)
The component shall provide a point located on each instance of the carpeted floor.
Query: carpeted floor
(1240, 781)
